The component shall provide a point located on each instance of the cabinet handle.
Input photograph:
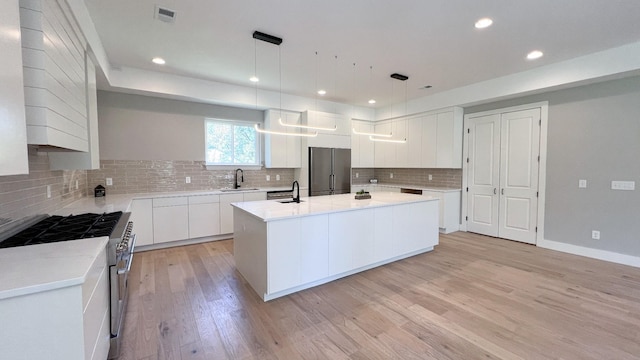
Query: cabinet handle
(494, 191)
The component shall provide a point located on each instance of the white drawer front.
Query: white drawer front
(170, 201)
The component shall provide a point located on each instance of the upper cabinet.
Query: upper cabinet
(362, 149)
(53, 54)
(339, 138)
(281, 151)
(433, 140)
(13, 133)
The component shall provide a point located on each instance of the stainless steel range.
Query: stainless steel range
(116, 225)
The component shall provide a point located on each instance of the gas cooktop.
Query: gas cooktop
(63, 228)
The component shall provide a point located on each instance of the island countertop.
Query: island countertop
(270, 210)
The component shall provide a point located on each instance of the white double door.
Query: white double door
(502, 175)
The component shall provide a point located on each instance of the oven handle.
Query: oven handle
(129, 257)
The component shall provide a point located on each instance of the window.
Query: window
(231, 143)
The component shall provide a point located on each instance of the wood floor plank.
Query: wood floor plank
(473, 297)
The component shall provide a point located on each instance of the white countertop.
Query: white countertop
(409, 186)
(36, 268)
(274, 210)
(121, 202)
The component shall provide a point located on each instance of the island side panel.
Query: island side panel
(415, 226)
(250, 249)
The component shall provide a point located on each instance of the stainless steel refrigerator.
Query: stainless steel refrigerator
(329, 171)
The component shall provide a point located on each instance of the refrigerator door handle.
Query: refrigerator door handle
(332, 182)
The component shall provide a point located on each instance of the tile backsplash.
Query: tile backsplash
(439, 177)
(25, 195)
(144, 176)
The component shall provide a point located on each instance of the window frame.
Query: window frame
(258, 145)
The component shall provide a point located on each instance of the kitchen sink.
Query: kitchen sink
(288, 201)
(238, 189)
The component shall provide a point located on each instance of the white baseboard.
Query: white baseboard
(589, 252)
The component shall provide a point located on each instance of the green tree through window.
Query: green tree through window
(231, 143)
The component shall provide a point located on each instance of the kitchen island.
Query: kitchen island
(282, 248)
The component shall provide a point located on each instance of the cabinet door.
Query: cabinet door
(254, 196)
(282, 151)
(429, 141)
(293, 158)
(170, 223)
(204, 220)
(441, 205)
(383, 151)
(449, 152)
(226, 211)
(401, 157)
(414, 142)
(362, 149)
(13, 137)
(142, 217)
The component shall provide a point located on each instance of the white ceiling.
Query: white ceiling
(434, 42)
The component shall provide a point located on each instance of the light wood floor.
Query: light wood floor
(472, 297)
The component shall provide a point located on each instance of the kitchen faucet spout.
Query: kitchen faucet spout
(236, 184)
(296, 187)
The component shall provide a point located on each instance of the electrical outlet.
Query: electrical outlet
(187, 180)
(77, 186)
(278, 177)
(109, 181)
(268, 177)
(595, 234)
(430, 177)
(390, 175)
(357, 175)
(582, 184)
(48, 191)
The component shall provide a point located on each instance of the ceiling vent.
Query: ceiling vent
(164, 14)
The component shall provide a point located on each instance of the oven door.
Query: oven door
(119, 276)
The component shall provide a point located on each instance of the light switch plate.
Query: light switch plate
(582, 184)
(390, 175)
(109, 181)
(595, 234)
(623, 185)
(268, 177)
(430, 177)
(187, 180)
(277, 177)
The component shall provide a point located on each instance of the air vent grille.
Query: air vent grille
(164, 14)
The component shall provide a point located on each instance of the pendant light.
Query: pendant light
(310, 127)
(401, 78)
(371, 101)
(277, 41)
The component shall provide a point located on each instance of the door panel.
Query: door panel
(520, 138)
(483, 174)
(319, 170)
(342, 171)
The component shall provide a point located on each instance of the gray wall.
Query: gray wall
(593, 134)
(134, 127)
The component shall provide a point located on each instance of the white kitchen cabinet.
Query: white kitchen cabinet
(350, 234)
(62, 322)
(254, 196)
(204, 216)
(384, 152)
(13, 137)
(170, 219)
(362, 149)
(449, 138)
(281, 151)
(142, 217)
(449, 209)
(429, 141)
(226, 211)
(340, 138)
(54, 75)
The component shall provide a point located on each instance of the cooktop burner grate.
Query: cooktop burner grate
(60, 228)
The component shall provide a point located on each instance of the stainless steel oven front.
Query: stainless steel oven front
(118, 277)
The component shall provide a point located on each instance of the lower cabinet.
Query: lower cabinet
(204, 216)
(226, 211)
(449, 211)
(166, 219)
(170, 219)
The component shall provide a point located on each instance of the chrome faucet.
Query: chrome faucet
(236, 184)
(293, 188)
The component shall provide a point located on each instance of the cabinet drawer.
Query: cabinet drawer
(204, 199)
(170, 201)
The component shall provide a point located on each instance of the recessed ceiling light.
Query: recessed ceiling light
(322, 92)
(254, 79)
(372, 101)
(483, 23)
(535, 54)
(158, 60)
